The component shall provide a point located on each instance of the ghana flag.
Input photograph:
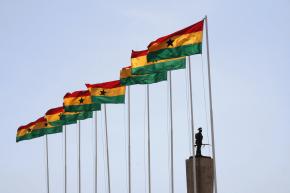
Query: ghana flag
(79, 101)
(108, 92)
(25, 132)
(73, 117)
(140, 65)
(36, 129)
(127, 78)
(53, 116)
(185, 42)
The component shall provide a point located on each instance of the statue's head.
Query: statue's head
(200, 129)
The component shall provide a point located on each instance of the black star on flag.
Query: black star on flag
(103, 92)
(60, 115)
(170, 42)
(45, 124)
(81, 100)
(28, 130)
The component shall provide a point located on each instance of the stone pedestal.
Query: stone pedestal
(204, 175)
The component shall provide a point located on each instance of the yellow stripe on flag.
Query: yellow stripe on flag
(110, 92)
(76, 100)
(53, 118)
(142, 61)
(180, 40)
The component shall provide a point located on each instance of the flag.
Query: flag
(25, 132)
(79, 101)
(73, 117)
(127, 78)
(108, 92)
(36, 129)
(141, 66)
(185, 42)
(53, 116)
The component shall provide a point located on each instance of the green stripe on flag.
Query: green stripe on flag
(85, 107)
(168, 53)
(144, 79)
(109, 99)
(161, 67)
(73, 118)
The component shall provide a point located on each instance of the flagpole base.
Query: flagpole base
(204, 174)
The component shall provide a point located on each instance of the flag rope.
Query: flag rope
(205, 104)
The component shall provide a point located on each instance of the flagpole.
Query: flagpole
(65, 164)
(148, 142)
(192, 129)
(210, 104)
(129, 143)
(96, 152)
(107, 148)
(47, 168)
(171, 132)
(79, 157)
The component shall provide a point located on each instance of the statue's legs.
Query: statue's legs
(198, 151)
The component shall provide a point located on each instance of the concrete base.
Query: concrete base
(204, 175)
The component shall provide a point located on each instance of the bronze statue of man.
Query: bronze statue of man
(198, 142)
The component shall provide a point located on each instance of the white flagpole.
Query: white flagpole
(192, 129)
(171, 132)
(65, 158)
(47, 168)
(148, 142)
(79, 157)
(129, 143)
(96, 152)
(107, 148)
(210, 104)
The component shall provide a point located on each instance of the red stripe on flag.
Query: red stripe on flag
(124, 68)
(111, 84)
(136, 54)
(25, 126)
(54, 111)
(193, 28)
(41, 119)
(80, 93)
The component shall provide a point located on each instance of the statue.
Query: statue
(198, 142)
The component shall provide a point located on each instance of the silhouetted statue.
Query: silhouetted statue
(198, 142)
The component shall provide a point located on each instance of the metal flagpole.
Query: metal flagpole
(129, 143)
(65, 166)
(148, 142)
(79, 157)
(171, 132)
(210, 104)
(96, 153)
(192, 129)
(47, 169)
(107, 148)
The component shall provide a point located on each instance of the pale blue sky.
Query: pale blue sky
(48, 48)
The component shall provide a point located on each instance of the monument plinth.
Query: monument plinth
(204, 174)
